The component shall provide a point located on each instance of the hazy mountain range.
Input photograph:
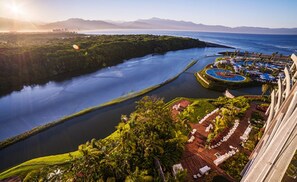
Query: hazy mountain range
(77, 24)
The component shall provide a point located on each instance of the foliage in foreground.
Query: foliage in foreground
(291, 172)
(197, 110)
(149, 135)
(235, 165)
(231, 109)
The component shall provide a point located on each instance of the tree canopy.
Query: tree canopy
(149, 134)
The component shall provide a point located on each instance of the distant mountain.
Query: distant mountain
(157, 23)
(134, 25)
(7, 24)
(77, 24)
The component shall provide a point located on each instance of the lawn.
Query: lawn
(197, 110)
(40, 162)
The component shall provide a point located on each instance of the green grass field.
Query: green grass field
(37, 163)
(197, 109)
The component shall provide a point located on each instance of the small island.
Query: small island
(236, 70)
(36, 58)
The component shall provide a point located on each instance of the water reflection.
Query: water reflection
(38, 105)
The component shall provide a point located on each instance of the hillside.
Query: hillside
(79, 24)
(7, 24)
(157, 23)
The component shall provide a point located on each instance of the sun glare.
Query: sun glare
(15, 9)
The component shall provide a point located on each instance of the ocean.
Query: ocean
(268, 44)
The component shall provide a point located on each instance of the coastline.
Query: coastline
(210, 44)
(7, 88)
(39, 129)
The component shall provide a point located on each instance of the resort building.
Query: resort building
(259, 69)
(275, 150)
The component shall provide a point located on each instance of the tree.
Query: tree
(181, 176)
(265, 88)
(139, 175)
(246, 53)
(148, 133)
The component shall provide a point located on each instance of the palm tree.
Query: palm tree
(273, 55)
(246, 54)
(138, 175)
(265, 88)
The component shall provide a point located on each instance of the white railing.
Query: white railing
(208, 115)
(225, 138)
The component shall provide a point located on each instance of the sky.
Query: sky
(233, 13)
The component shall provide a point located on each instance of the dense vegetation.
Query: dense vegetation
(27, 59)
(257, 122)
(143, 140)
(235, 165)
(148, 135)
(197, 110)
(291, 172)
(231, 109)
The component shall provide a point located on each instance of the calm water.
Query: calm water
(67, 136)
(33, 106)
(38, 105)
(284, 44)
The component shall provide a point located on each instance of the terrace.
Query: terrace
(200, 153)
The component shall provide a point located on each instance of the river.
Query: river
(40, 104)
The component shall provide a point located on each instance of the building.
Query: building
(275, 150)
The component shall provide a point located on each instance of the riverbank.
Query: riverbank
(36, 130)
(29, 59)
(195, 111)
(47, 161)
(113, 148)
(65, 137)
